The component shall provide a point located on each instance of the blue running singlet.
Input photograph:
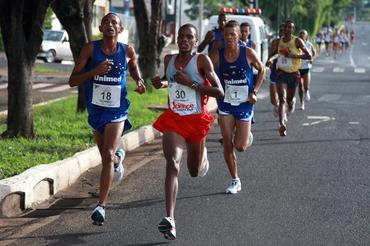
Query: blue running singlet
(237, 81)
(106, 95)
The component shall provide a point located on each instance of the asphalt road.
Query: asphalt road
(311, 187)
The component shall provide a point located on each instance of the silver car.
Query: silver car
(55, 46)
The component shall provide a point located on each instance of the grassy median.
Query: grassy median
(61, 132)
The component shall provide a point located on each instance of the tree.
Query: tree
(76, 18)
(21, 27)
(150, 46)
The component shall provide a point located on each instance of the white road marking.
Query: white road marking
(353, 64)
(364, 43)
(317, 120)
(338, 70)
(329, 97)
(263, 95)
(318, 69)
(368, 57)
(57, 88)
(41, 85)
(360, 70)
(353, 122)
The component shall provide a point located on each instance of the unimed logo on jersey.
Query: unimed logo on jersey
(107, 79)
(182, 106)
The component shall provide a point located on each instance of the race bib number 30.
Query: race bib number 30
(182, 99)
(235, 95)
(106, 95)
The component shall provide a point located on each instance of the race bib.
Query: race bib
(284, 62)
(235, 95)
(106, 95)
(182, 99)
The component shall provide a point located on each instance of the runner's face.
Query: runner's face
(289, 29)
(186, 39)
(221, 21)
(110, 26)
(231, 35)
(245, 32)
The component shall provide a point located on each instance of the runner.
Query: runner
(214, 38)
(271, 63)
(245, 32)
(187, 122)
(319, 38)
(288, 64)
(304, 84)
(101, 68)
(327, 40)
(234, 66)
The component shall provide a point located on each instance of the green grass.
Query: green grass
(61, 132)
(44, 69)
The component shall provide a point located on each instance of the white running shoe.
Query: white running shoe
(308, 96)
(250, 139)
(98, 215)
(118, 167)
(204, 170)
(235, 186)
(168, 228)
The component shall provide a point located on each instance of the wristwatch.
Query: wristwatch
(140, 80)
(195, 84)
(254, 92)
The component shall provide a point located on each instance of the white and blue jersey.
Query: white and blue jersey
(237, 81)
(106, 95)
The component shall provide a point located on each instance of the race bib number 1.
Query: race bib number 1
(106, 95)
(235, 95)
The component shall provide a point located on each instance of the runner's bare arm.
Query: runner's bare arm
(207, 39)
(300, 45)
(134, 69)
(206, 66)
(257, 64)
(273, 52)
(159, 82)
(78, 76)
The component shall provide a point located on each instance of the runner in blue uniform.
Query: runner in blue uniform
(214, 38)
(101, 69)
(234, 67)
(245, 32)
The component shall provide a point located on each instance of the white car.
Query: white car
(55, 46)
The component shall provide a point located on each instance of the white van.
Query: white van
(258, 31)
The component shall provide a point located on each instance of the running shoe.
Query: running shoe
(250, 139)
(235, 186)
(204, 170)
(282, 130)
(98, 215)
(118, 167)
(168, 228)
(302, 106)
(308, 96)
(291, 107)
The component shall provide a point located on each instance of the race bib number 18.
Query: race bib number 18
(106, 95)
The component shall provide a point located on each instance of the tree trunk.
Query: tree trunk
(149, 34)
(21, 26)
(76, 17)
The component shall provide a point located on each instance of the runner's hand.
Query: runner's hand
(104, 67)
(252, 98)
(157, 82)
(182, 78)
(141, 89)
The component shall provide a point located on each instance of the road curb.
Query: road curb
(37, 184)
